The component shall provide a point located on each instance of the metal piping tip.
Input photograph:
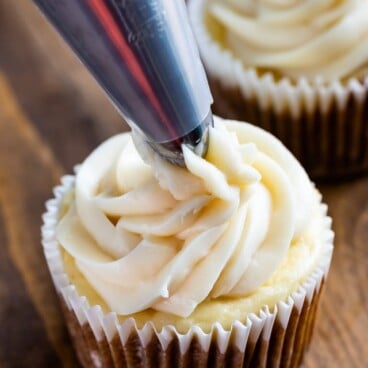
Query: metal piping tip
(197, 140)
(162, 94)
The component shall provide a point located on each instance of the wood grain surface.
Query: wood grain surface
(51, 115)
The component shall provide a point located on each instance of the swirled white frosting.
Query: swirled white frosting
(310, 38)
(153, 235)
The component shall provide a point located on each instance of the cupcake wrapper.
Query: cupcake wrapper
(325, 125)
(271, 338)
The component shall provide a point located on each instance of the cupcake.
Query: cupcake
(217, 264)
(297, 69)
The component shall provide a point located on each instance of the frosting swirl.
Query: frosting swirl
(147, 234)
(297, 38)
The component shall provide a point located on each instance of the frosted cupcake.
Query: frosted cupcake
(219, 264)
(296, 68)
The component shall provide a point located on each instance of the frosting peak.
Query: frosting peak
(147, 234)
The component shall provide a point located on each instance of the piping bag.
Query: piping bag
(143, 54)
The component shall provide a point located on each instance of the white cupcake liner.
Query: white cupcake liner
(272, 338)
(325, 124)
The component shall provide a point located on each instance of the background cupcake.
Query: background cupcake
(298, 70)
(213, 265)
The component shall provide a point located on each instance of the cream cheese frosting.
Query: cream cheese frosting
(150, 235)
(298, 38)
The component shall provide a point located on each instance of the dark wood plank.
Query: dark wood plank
(32, 330)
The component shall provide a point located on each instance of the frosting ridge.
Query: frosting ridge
(147, 234)
(298, 38)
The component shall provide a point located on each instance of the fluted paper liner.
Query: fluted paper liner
(325, 125)
(274, 337)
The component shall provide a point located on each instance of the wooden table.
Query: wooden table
(51, 115)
